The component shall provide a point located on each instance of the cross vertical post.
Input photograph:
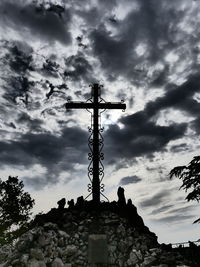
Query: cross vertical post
(95, 181)
(96, 102)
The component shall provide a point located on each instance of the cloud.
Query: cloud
(34, 125)
(54, 153)
(20, 57)
(178, 218)
(78, 68)
(18, 87)
(156, 199)
(173, 214)
(195, 125)
(161, 209)
(139, 137)
(177, 97)
(130, 180)
(179, 148)
(112, 53)
(182, 210)
(138, 41)
(40, 22)
(37, 182)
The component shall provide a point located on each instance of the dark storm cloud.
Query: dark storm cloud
(35, 125)
(112, 53)
(19, 60)
(78, 68)
(42, 23)
(130, 180)
(156, 199)
(18, 63)
(177, 97)
(141, 136)
(150, 24)
(18, 87)
(195, 124)
(50, 68)
(55, 153)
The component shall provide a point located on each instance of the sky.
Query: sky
(146, 53)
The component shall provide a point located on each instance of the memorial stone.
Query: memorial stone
(97, 249)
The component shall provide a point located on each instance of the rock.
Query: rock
(133, 259)
(70, 250)
(65, 244)
(122, 246)
(112, 248)
(57, 263)
(51, 226)
(24, 258)
(60, 252)
(4, 264)
(130, 241)
(25, 242)
(76, 236)
(149, 261)
(121, 231)
(111, 221)
(42, 241)
(16, 262)
(61, 242)
(138, 253)
(35, 263)
(63, 234)
(81, 228)
(162, 265)
(112, 259)
(120, 263)
(37, 254)
(3, 255)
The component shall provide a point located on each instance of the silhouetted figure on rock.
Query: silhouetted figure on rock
(121, 197)
(80, 202)
(71, 204)
(133, 216)
(61, 204)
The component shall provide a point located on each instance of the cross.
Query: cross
(95, 103)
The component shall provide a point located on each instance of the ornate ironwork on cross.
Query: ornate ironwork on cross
(95, 140)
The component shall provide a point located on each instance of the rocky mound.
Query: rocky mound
(110, 234)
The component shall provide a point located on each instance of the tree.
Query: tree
(15, 206)
(190, 176)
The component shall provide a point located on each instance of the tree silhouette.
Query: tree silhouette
(15, 206)
(190, 176)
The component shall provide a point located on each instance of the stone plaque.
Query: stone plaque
(97, 249)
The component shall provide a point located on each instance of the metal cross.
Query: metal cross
(95, 103)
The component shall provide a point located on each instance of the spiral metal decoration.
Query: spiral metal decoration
(100, 156)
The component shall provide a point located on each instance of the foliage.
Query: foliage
(15, 206)
(190, 176)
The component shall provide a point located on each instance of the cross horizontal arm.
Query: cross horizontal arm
(109, 105)
(83, 105)
(78, 105)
